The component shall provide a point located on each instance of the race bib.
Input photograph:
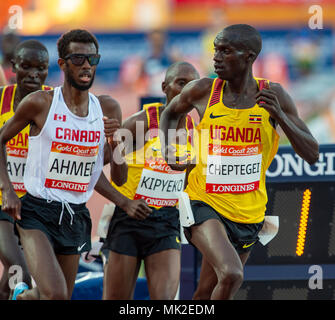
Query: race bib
(16, 162)
(160, 185)
(233, 169)
(70, 166)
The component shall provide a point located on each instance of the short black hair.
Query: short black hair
(76, 35)
(30, 44)
(246, 35)
(171, 69)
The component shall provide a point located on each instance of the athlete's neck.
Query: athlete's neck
(240, 84)
(239, 92)
(76, 100)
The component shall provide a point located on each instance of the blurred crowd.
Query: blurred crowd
(304, 75)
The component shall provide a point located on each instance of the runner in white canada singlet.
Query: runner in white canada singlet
(68, 130)
(65, 160)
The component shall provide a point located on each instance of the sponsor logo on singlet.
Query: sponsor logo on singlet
(17, 150)
(159, 184)
(71, 165)
(234, 168)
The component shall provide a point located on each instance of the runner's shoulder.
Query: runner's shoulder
(135, 119)
(106, 99)
(110, 107)
(199, 88)
(37, 101)
(40, 97)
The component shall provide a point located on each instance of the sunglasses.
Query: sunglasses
(78, 59)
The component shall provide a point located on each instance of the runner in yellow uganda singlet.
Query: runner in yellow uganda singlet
(237, 148)
(17, 147)
(149, 176)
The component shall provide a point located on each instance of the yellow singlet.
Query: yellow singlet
(149, 176)
(17, 147)
(236, 147)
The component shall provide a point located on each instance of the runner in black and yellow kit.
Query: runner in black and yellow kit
(155, 239)
(239, 114)
(31, 61)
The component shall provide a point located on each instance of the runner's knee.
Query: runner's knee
(166, 291)
(230, 276)
(203, 293)
(55, 293)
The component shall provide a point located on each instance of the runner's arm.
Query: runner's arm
(281, 107)
(177, 109)
(136, 127)
(191, 97)
(28, 111)
(137, 209)
(112, 121)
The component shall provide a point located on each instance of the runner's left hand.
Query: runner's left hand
(11, 204)
(267, 99)
(178, 163)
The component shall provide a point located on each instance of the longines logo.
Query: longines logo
(289, 164)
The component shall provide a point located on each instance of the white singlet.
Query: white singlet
(65, 159)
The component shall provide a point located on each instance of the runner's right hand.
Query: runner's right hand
(11, 204)
(137, 209)
(110, 127)
(176, 162)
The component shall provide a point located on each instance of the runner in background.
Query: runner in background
(155, 239)
(30, 65)
(9, 40)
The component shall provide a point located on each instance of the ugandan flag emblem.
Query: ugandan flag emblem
(255, 118)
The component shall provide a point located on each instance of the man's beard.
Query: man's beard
(77, 86)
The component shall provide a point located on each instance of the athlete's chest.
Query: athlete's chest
(234, 125)
(239, 102)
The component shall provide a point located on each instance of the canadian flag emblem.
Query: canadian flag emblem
(60, 117)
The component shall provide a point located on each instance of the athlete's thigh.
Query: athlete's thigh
(120, 276)
(210, 237)
(163, 273)
(42, 261)
(69, 264)
(10, 252)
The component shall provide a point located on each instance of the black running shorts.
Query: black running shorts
(141, 238)
(242, 236)
(68, 233)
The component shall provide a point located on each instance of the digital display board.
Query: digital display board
(303, 197)
(306, 232)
